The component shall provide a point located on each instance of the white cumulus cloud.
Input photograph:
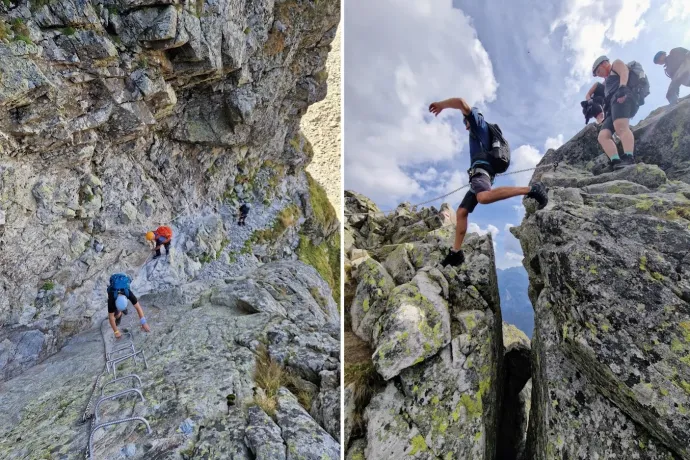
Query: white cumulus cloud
(676, 10)
(553, 142)
(426, 176)
(400, 57)
(592, 26)
(523, 157)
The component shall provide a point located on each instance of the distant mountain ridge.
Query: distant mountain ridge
(516, 307)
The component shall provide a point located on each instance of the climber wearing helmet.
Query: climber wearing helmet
(621, 105)
(162, 236)
(244, 210)
(481, 175)
(119, 293)
(677, 67)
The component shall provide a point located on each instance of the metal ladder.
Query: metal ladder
(112, 359)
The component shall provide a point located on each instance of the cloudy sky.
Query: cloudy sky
(526, 64)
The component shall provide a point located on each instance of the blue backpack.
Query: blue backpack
(119, 283)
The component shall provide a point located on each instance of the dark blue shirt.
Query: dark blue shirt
(479, 138)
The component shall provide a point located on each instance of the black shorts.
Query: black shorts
(111, 301)
(627, 109)
(478, 183)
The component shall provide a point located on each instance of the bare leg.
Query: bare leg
(606, 141)
(622, 127)
(460, 228)
(501, 193)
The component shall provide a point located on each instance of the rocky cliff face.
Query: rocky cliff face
(118, 117)
(609, 283)
(608, 368)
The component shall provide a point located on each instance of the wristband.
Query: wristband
(143, 320)
(116, 332)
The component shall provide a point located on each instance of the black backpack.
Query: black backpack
(637, 81)
(499, 154)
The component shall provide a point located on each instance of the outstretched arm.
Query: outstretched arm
(452, 103)
(111, 320)
(140, 312)
(591, 91)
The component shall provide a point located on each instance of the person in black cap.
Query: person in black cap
(677, 67)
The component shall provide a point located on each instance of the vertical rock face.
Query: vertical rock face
(117, 117)
(436, 335)
(516, 393)
(609, 281)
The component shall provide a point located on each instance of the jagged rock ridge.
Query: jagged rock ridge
(609, 283)
(609, 369)
(435, 334)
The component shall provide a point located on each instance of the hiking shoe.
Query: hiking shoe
(155, 256)
(124, 312)
(117, 320)
(614, 165)
(454, 258)
(627, 160)
(539, 193)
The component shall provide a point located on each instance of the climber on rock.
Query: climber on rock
(119, 292)
(162, 236)
(244, 210)
(481, 172)
(593, 105)
(677, 67)
(625, 87)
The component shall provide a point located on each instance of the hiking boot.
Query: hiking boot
(155, 256)
(539, 193)
(627, 160)
(454, 258)
(124, 312)
(615, 165)
(117, 320)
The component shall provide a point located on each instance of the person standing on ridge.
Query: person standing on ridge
(244, 210)
(625, 87)
(162, 236)
(119, 293)
(481, 172)
(677, 67)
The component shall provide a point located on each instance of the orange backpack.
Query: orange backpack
(165, 232)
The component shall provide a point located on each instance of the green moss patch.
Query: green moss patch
(325, 258)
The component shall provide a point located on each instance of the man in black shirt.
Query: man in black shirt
(677, 67)
(621, 106)
(244, 210)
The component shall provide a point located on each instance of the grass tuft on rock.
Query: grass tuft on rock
(270, 375)
(361, 374)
